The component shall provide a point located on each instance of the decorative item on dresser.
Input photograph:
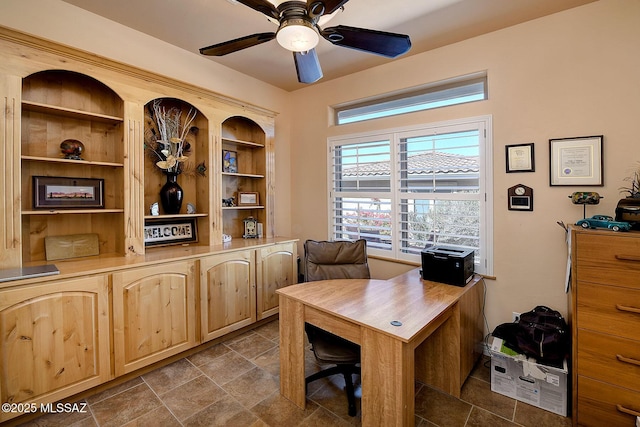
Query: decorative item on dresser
(605, 321)
(585, 198)
(628, 209)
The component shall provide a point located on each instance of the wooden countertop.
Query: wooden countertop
(107, 263)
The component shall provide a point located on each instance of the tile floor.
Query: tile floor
(235, 383)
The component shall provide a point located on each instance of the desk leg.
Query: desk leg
(438, 357)
(388, 391)
(292, 384)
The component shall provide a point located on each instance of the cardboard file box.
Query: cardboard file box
(525, 380)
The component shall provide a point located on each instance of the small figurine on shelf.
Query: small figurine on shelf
(229, 203)
(250, 228)
(72, 149)
(155, 209)
(191, 208)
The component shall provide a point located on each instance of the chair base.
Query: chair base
(346, 371)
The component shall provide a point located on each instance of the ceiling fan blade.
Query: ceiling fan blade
(237, 44)
(330, 6)
(307, 66)
(262, 6)
(379, 42)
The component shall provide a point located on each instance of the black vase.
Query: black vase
(171, 194)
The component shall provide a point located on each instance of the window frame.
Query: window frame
(394, 136)
(445, 93)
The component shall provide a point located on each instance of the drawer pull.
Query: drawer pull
(627, 360)
(634, 258)
(627, 410)
(627, 308)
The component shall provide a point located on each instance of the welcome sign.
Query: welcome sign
(173, 231)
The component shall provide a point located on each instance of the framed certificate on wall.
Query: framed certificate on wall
(576, 161)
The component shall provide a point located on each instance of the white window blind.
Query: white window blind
(454, 91)
(408, 189)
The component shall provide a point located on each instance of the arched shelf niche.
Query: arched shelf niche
(60, 105)
(193, 178)
(245, 176)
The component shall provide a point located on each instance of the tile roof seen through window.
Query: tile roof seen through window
(419, 164)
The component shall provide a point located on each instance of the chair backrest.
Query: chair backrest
(335, 260)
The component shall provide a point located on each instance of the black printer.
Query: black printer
(450, 265)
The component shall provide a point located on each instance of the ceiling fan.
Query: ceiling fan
(299, 32)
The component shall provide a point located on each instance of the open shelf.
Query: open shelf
(160, 217)
(243, 175)
(242, 142)
(246, 208)
(69, 112)
(72, 211)
(71, 162)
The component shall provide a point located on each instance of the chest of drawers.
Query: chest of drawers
(605, 321)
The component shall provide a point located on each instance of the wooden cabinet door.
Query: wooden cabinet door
(227, 293)
(54, 340)
(154, 314)
(276, 268)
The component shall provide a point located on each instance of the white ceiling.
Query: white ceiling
(192, 24)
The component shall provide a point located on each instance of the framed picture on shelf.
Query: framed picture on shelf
(576, 161)
(245, 198)
(170, 231)
(520, 158)
(51, 192)
(229, 161)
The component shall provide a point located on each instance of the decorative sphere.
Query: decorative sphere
(72, 149)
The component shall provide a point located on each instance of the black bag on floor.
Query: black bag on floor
(541, 333)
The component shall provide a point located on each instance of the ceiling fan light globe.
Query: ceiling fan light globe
(297, 36)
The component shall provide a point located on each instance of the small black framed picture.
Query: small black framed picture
(52, 192)
(520, 158)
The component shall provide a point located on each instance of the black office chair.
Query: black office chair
(335, 260)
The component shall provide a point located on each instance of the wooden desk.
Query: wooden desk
(392, 357)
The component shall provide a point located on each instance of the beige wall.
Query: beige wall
(570, 74)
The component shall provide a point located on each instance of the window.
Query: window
(406, 189)
(441, 94)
